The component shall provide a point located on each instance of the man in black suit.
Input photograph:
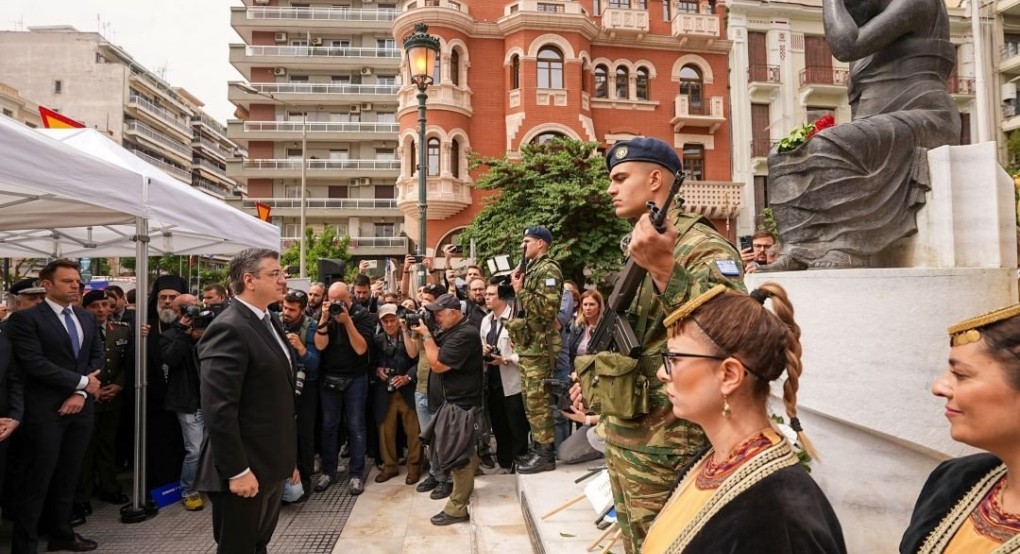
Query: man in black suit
(59, 351)
(247, 389)
(12, 401)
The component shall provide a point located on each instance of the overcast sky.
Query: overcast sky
(189, 38)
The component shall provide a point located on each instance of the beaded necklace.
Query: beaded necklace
(712, 474)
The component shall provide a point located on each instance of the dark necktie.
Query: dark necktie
(267, 320)
(72, 331)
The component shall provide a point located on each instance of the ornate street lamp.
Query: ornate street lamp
(422, 53)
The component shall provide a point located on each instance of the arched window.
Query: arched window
(690, 85)
(455, 67)
(550, 68)
(546, 137)
(694, 161)
(433, 156)
(455, 158)
(584, 76)
(412, 161)
(515, 72)
(642, 83)
(601, 81)
(622, 82)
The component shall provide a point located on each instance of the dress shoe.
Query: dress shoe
(413, 475)
(441, 491)
(114, 497)
(77, 544)
(78, 512)
(486, 460)
(543, 458)
(385, 475)
(443, 518)
(428, 484)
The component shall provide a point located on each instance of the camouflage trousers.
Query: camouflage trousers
(641, 486)
(536, 398)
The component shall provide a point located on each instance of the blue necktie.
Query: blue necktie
(73, 331)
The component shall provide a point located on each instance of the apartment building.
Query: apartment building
(1003, 41)
(524, 71)
(325, 74)
(782, 74)
(17, 107)
(85, 77)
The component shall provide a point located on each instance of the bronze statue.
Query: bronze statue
(854, 189)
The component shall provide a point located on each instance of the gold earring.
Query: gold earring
(726, 406)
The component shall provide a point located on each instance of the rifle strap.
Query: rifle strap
(646, 297)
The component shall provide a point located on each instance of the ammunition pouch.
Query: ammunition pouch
(613, 385)
(518, 331)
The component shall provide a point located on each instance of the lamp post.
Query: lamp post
(304, 163)
(422, 51)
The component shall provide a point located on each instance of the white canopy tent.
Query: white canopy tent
(76, 193)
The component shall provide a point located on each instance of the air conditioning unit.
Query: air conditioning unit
(366, 181)
(280, 37)
(1008, 91)
(316, 41)
(279, 71)
(366, 70)
(366, 107)
(261, 2)
(355, 109)
(354, 181)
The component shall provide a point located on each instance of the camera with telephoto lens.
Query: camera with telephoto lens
(391, 374)
(559, 393)
(299, 381)
(337, 308)
(200, 317)
(491, 356)
(413, 318)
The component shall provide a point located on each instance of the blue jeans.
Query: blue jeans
(192, 429)
(352, 401)
(421, 405)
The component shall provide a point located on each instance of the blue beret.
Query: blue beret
(644, 149)
(539, 232)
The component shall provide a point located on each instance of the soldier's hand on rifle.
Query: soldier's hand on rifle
(653, 250)
(577, 398)
(517, 280)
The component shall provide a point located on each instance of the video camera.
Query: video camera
(559, 392)
(201, 317)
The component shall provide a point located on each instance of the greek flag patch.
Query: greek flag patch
(728, 268)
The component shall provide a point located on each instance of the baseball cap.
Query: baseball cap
(387, 309)
(446, 301)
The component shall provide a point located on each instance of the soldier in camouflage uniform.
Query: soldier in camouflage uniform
(536, 339)
(645, 454)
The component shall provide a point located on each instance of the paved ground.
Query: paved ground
(309, 528)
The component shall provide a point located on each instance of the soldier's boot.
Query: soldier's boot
(542, 459)
(518, 460)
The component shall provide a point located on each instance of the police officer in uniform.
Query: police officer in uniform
(536, 337)
(645, 453)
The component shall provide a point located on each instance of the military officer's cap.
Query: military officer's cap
(27, 286)
(92, 296)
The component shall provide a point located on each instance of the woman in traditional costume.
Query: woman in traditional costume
(972, 504)
(748, 492)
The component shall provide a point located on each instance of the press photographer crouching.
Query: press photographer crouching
(300, 331)
(344, 332)
(395, 370)
(455, 358)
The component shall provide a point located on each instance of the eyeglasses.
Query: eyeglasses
(761, 246)
(668, 358)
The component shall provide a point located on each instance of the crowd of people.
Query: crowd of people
(260, 395)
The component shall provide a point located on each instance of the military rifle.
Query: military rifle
(613, 332)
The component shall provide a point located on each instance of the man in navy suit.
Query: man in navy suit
(247, 389)
(58, 350)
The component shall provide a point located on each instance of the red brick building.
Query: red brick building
(516, 72)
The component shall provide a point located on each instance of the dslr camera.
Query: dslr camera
(200, 317)
(488, 358)
(413, 318)
(391, 374)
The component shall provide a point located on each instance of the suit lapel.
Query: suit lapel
(261, 329)
(57, 327)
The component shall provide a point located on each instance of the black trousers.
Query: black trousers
(99, 463)
(54, 451)
(509, 425)
(245, 525)
(307, 416)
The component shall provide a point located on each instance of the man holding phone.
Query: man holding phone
(756, 251)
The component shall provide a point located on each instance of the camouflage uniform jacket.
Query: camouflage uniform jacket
(701, 255)
(539, 299)
(118, 360)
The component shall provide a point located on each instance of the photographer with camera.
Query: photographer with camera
(503, 391)
(342, 337)
(300, 332)
(394, 352)
(177, 346)
(455, 359)
(426, 402)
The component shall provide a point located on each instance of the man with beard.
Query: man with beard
(474, 306)
(213, 295)
(316, 293)
(180, 356)
(165, 456)
(300, 330)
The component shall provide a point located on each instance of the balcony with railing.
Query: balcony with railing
(328, 207)
(211, 188)
(447, 196)
(316, 130)
(379, 246)
(713, 199)
(167, 118)
(456, 5)
(708, 112)
(1010, 117)
(325, 93)
(696, 28)
(625, 22)
(442, 96)
(958, 86)
(183, 175)
(211, 167)
(157, 139)
(211, 124)
(313, 57)
(276, 14)
(566, 7)
(823, 81)
(328, 169)
(212, 148)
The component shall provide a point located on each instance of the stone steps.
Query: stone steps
(569, 531)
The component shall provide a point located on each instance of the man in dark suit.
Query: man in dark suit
(59, 351)
(247, 389)
(12, 401)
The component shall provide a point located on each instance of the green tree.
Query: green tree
(326, 245)
(561, 185)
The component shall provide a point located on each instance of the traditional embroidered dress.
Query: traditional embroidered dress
(757, 500)
(959, 511)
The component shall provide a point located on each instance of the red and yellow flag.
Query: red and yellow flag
(55, 120)
(263, 211)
